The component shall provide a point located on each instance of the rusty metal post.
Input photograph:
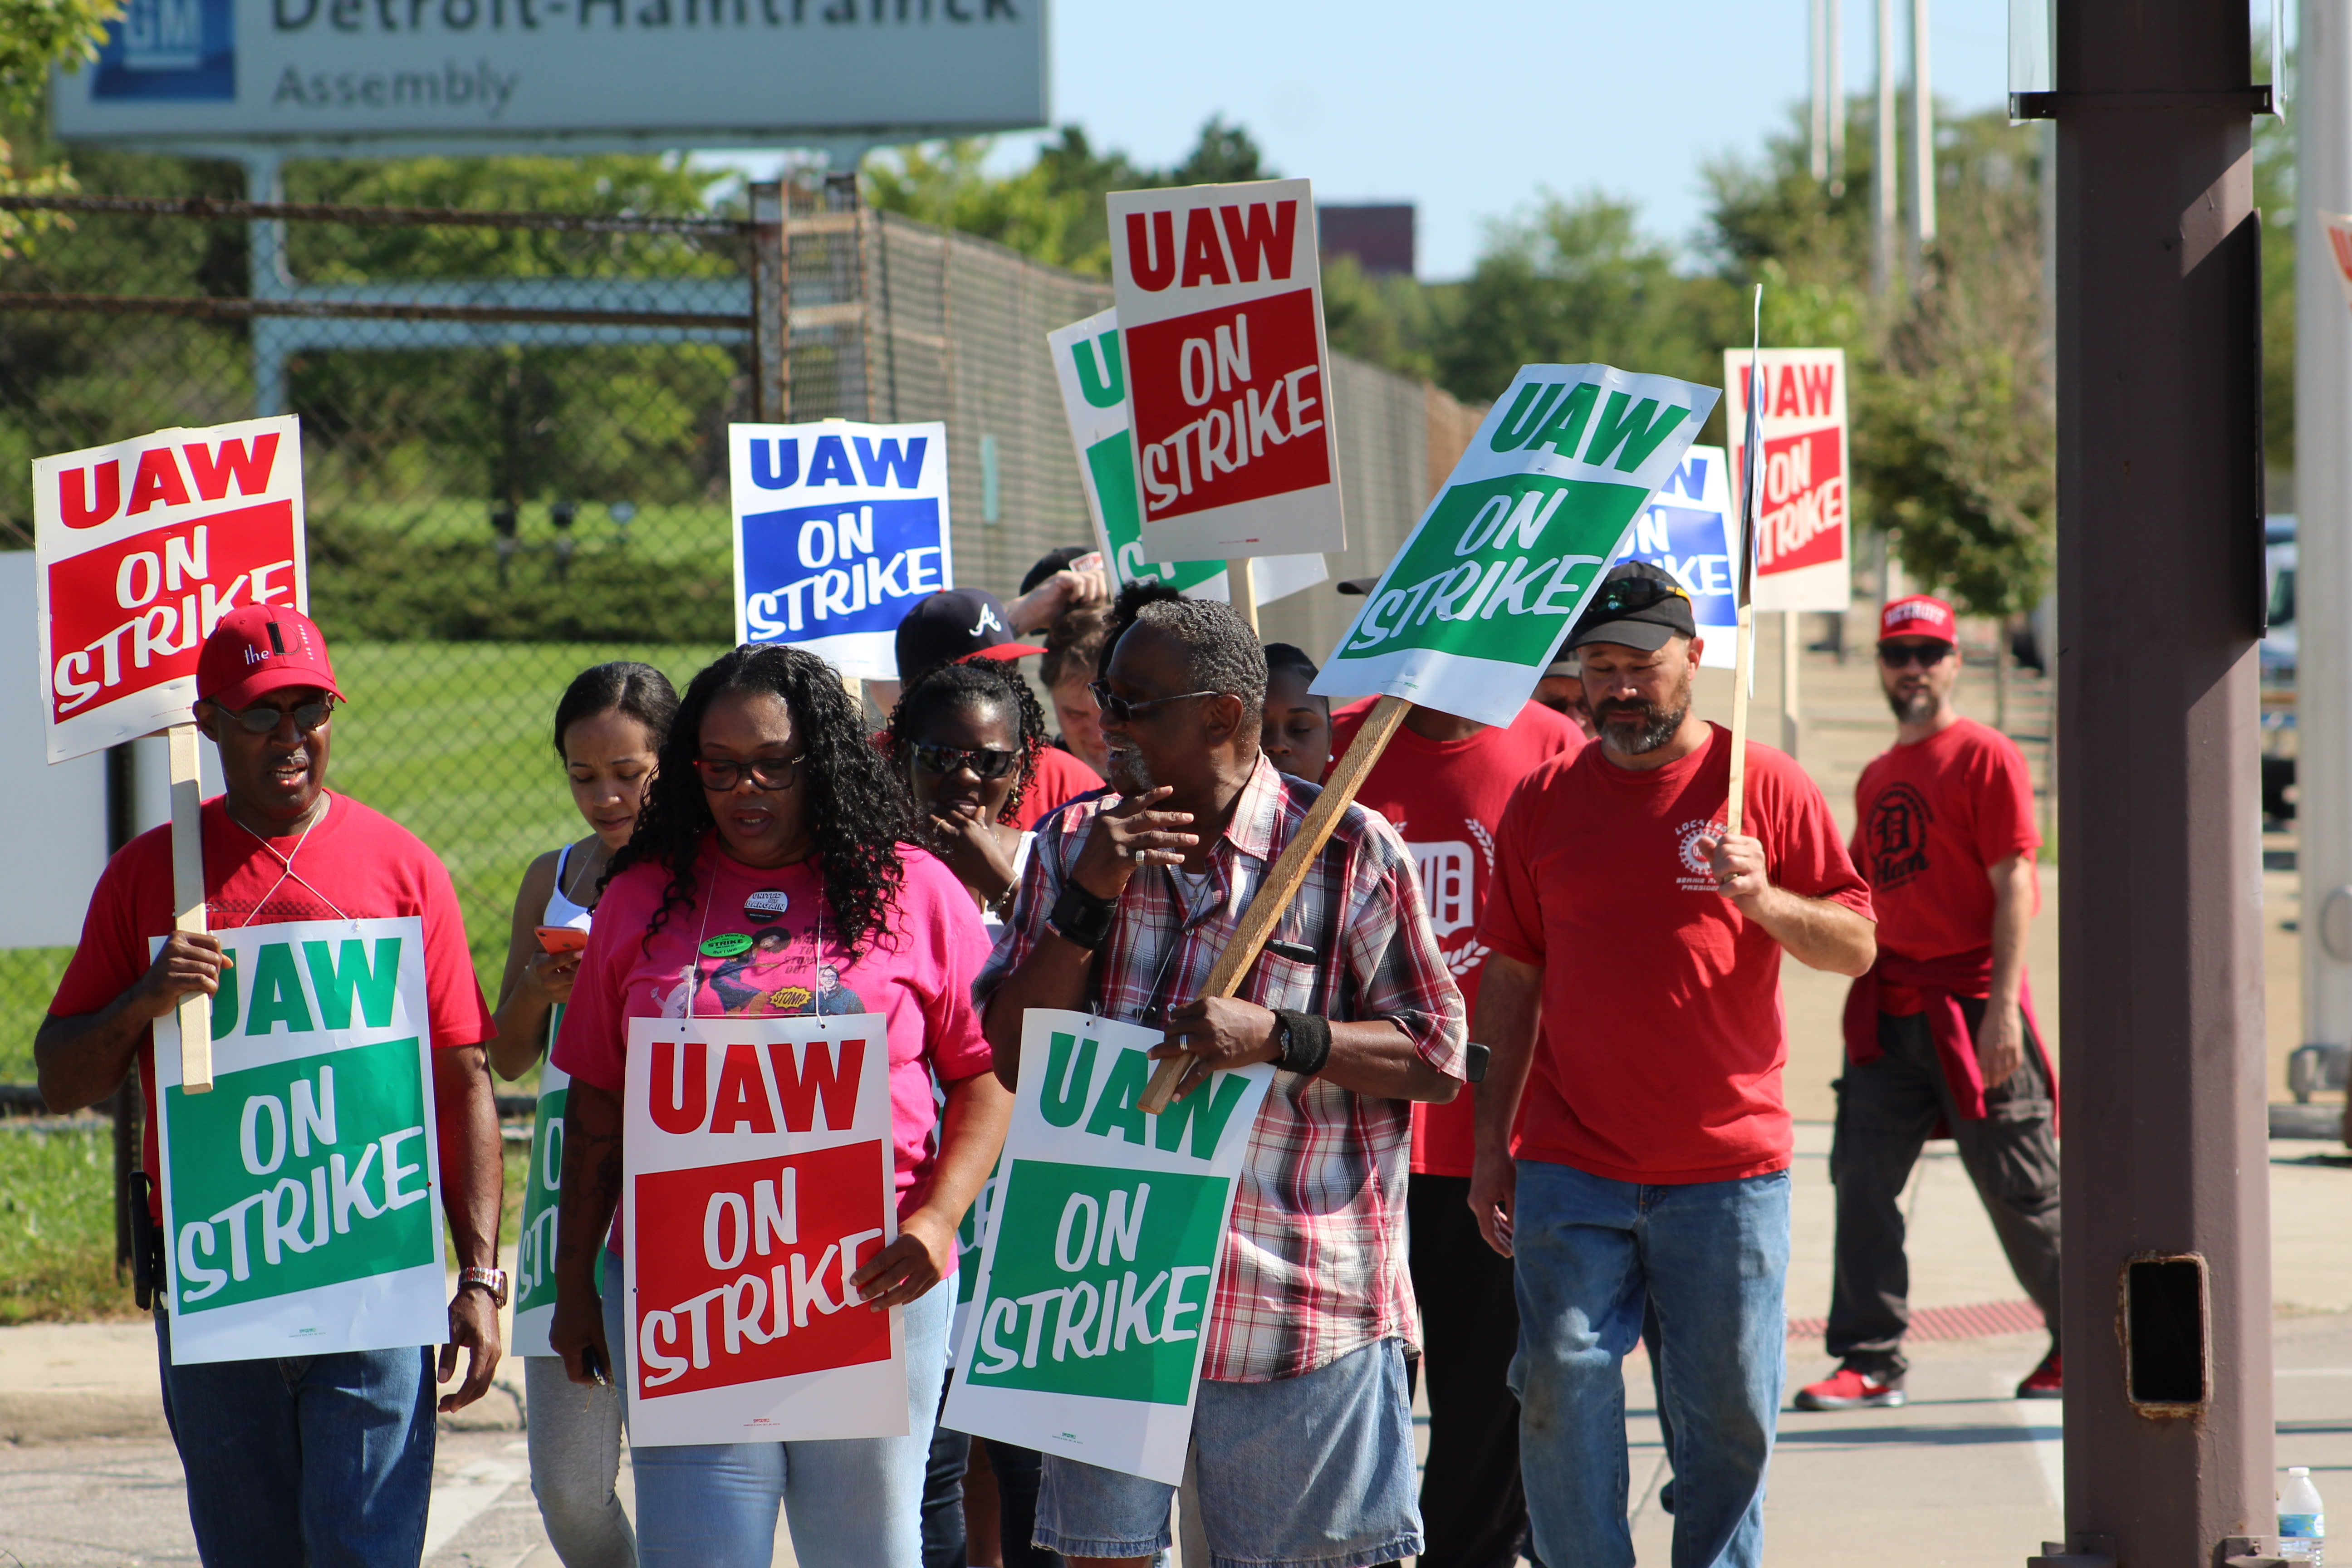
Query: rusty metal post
(123, 1106)
(2167, 1321)
(772, 330)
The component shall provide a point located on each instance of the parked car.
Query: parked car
(2278, 656)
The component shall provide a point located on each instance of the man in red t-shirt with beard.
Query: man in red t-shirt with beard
(1443, 785)
(1940, 1038)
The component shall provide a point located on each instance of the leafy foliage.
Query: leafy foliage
(35, 35)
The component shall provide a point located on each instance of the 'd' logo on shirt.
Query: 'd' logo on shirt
(1895, 835)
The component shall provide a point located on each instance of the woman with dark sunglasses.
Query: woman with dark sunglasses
(965, 739)
(770, 811)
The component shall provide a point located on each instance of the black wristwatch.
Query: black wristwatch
(1080, 918)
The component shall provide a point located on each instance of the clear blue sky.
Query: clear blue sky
(1468, 107)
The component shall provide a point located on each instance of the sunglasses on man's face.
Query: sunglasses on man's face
(980, 761)
(264, 720)
(1903, 656)
(1127, 712)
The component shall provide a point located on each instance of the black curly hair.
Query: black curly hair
(980, 682)
(856, 813)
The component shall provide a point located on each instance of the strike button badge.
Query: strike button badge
(766, 904)
(727, 945)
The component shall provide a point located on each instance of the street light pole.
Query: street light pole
(2166, 1315)
(1886, 174)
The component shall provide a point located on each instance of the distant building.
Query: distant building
(1378, 235)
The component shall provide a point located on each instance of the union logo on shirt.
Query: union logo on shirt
(1895, 836)
(1697, 873)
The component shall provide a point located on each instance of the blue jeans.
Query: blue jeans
(1314, 1471)
(854, 1503)
(321, 1461)
(1711, 1256)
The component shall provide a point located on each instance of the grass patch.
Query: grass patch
(28, 978)
(57, 1228)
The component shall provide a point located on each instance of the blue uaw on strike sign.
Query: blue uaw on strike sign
(838, 528)
(1688, 528)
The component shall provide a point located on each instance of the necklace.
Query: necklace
(287, 871)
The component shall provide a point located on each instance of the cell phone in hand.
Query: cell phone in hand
(593, 1362)
(561, 940)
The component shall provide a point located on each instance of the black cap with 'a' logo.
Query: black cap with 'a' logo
(955, 624)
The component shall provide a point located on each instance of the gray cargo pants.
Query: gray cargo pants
(1886, 1109)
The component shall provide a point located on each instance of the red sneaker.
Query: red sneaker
(2045, 1382)
(1847, 1389)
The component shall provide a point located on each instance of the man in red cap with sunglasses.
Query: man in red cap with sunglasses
(1940, 1038)
(324, 1458)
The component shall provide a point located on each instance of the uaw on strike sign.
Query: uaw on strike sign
(839, 528)
(298, 1195)
(1086, 1330)
(757, 1180)
(141, 548)
(1221, 320)
(1804, 541)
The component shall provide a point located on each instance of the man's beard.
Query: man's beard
(1657, 727)
(1130, 773)
(1915, 708)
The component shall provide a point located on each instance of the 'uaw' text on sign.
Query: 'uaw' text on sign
(1102, 1260)
(1803, 542)
(838, 528)
(295, 1193)
(143, 547)
(1502, 562)
(759, 1180)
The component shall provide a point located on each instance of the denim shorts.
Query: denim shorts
(1304, 1472)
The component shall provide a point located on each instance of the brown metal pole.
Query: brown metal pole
(2167, 1321)
(771, 307)
(123, 1107)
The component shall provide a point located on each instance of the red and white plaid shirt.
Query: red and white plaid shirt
(1314, 1264)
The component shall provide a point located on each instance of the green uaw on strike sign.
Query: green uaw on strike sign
(1468, 613)
(297, 1195)
(1086, 1331)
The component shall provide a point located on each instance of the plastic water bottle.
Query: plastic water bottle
(2303, 1521)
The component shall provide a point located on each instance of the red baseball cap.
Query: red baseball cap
(258, 649)
(1919, 616)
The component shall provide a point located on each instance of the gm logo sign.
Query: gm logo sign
(182, 49)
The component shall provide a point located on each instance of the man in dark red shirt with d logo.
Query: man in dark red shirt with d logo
(1940, 1038)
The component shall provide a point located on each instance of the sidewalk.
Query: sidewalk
(1962, 1475)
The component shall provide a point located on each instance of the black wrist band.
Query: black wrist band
(1079, 917)
(1305, 1042)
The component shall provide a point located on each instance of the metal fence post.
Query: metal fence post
(772, 307)
(123, 1106)
(2166, 1316)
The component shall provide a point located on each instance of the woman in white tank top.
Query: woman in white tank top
(608, 728)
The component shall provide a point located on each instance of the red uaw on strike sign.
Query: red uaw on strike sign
(757, 1180)
(1228, 378)
(141, 548)
(1804, 537)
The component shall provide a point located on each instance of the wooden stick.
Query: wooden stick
(1282, 882)
(1241, 581)
(1745, 647)
(188, 904)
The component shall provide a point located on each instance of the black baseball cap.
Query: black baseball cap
(956, 624)
(1638, 606)
(1053, 562)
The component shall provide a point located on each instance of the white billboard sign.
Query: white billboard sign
(651, 72)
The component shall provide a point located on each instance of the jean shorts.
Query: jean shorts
(1303, 1472)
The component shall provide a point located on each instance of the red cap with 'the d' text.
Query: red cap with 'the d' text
(261, 648)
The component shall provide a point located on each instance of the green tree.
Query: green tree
(35, 35)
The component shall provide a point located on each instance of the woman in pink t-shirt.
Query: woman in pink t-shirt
(771, 817)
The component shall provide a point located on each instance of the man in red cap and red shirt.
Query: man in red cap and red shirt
(1941, 1036)
(325, 1457)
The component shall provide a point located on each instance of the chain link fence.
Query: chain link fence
(514, 439)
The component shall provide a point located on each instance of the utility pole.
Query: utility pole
(2166, 1315)
(1923, 136)
(1817, 62)
(1886, 174)
(1835, 30)
(2323, 504)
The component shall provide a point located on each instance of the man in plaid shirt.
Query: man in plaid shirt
(1302, 1432)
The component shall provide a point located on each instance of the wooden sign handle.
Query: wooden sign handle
(1282, 882)
(1241, 582)
(188, 904)
(1745, 647)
